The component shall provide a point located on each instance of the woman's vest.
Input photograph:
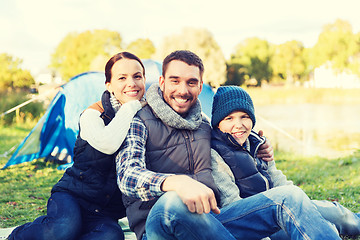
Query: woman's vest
(170, 150)
(251, 174)
(92, 177)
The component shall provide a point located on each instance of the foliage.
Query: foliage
(339, 45)
(255, 55)
(12, 75)
(201, 42)
(31, 111)
(143, 48)
(79, 52)
(236, 74)
(288, 62)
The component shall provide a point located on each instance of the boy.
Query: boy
(237, 171)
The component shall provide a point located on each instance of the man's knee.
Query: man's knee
(170, 202)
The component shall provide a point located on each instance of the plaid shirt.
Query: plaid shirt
(133, 178)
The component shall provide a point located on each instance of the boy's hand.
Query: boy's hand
(266, 152)
(196, 196)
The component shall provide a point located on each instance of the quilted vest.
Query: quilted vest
(170, 150)
(92, 177)
(251, 174)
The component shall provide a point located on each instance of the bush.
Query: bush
(31, 111)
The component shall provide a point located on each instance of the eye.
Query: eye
(122, 78)
(138, 77)
(227, 118)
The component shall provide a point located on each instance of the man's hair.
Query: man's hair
(185, 56)
(117, 57)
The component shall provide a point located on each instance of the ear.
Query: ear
(162, 83)
(201, 86)
(108, 86)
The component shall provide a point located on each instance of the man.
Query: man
(164, 169)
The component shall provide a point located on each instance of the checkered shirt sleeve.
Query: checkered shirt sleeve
(133, 178)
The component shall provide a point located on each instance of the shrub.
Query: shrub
(31, 111)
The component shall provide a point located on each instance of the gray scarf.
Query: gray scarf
(168, 115)
(114, 102)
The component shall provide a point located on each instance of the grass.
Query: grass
(26, 187)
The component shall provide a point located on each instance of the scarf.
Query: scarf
(171, 118)
(114, 102)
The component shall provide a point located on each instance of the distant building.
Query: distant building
(326, 77)
(47, 76)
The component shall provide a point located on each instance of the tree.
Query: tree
(288, 61)
(235, 74)
(86, 51)
(338, 44)
(201, 42)
(143, 48)
(11, 74)
(254, 54)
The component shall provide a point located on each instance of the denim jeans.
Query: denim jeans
(255, 217)
(66, 220)
(346, 222)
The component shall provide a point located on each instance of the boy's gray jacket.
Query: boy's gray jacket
(225, 180)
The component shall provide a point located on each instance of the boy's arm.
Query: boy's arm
(277, 176)
(224, 180)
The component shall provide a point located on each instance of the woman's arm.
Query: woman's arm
(107, 139)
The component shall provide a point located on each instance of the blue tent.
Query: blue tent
(56, 131)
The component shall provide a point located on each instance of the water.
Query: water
(312, 129)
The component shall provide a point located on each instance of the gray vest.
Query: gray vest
(170, 150)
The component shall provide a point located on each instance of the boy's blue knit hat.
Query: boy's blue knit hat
(228, 99)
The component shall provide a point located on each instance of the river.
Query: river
(311, 129)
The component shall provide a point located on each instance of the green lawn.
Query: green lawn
(25, 187)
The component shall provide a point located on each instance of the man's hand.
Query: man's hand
(266, 152)
(196, 196)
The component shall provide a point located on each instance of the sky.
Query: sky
(31, 30)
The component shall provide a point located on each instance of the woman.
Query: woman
(86, 202)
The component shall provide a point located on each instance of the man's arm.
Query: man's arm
(133, 178)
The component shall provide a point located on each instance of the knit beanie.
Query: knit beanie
(228, 99)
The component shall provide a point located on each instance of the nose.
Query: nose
(131, 82)
(183, 89)
(238, 123)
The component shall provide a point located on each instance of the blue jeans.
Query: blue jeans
(66, 220)
(346, 222)
(255, 217)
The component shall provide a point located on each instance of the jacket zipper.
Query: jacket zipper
(190, 155)
(267, 185)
